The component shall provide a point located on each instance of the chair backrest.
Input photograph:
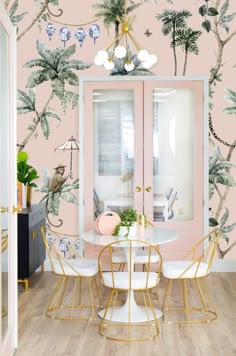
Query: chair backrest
(60, 253)
(203, 252)
(130, 247)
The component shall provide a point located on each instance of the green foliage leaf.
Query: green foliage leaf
(53, 203)
(52, 114)
(58, 87)
(65, 54)
(224, 8)
(202, 10)
(212, 11)
(44, 52)
(27, 100)
(220, 166)
(211, 190)
(128, 217)
(227, 18)
(69, 197)
(206, 25)
(22, 156)
(13, 8)
(45, 126)
(224, 218)
(37, 63)
(225, 26)
(26, 173)
(18, 18)
(40, 76)
(213, 222)
(231, 110)
(23, 110)
(228, 228)
(225, 179)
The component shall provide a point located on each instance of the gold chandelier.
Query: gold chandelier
(123, 44)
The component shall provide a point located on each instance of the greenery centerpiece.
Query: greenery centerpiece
(127, 225)
(26, 174)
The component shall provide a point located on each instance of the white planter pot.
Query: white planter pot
(123, 232)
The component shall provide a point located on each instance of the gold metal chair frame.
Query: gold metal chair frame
(129, 331)
(67, 300)
(205, 311)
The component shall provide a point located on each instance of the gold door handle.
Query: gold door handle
(148, 189)
(4, 209)
(138, 189)
(16, 210)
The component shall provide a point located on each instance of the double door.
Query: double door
(8, 255)
(143, 147)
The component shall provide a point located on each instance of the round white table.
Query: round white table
(154, 236)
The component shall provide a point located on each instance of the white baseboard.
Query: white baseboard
(224, 266)
(218, 266)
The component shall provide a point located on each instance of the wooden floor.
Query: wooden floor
(42, 336)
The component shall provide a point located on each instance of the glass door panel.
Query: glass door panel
(173, 116)
(113, 150)
(112, 153)
(174, 156)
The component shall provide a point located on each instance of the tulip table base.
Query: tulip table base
(138, 313)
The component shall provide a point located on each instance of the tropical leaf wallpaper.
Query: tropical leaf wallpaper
(57, 41)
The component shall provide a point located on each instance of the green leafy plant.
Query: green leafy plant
(128, 217)
(26, 174)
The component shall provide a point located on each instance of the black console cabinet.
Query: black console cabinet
(31, 249)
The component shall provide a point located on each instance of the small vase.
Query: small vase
(28, 195)
(125, 232)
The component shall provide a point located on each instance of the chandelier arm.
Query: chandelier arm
(135, 42)
(118, 38)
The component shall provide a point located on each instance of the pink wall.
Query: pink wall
(42, 152)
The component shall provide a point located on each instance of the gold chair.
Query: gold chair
(129, 314)
(193, 269)
(70, 300)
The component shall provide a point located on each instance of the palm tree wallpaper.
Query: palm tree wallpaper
(57, 41)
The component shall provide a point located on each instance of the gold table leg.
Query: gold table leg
(42, 267)
(25, 281)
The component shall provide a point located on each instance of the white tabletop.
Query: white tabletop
(154, 236)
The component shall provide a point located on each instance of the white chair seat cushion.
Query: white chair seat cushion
(175, 269)
(76, 267)
(138, 280)
(142, 257)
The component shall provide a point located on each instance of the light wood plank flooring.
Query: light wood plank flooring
(41, 336)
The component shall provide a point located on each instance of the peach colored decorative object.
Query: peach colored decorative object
(106, 222)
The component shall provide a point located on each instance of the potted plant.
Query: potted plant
(26, 174)
(128, 224)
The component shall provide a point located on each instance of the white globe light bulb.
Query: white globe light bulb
(129, 66)
(152, 59)
(120, 52)
(143, 55)
(108, 64)
(146, 65)
(101, 57)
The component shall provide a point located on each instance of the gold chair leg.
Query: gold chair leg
(165, 306)
(185, 298)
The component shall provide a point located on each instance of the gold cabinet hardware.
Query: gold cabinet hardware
(4, 209)
(16, 209)
(138, 189)
(148, 189)
(33, 234)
